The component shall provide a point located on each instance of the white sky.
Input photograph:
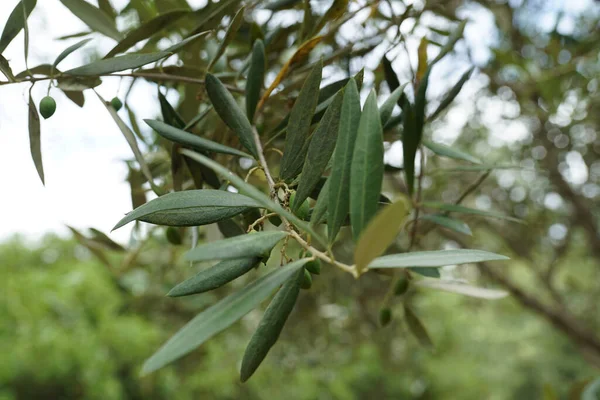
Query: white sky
(82, 148)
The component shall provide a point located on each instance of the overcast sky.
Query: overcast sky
(82, 148)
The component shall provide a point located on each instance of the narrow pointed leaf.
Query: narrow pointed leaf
(449, 223)
(320, 150)
(249, 245)
(230, 228)
(16, 22)
(220, 316)
(120, 63)
(387, 107)
(146, 30)
(366, 174)
(35, 143)
(417, 328)
(194, 121)
(462, 288)
(450, 152)
(270, 326)
(6, 70)
(410, 144)
(299, 125)
(76, 97)
(65, 53)
(466, 210)
(93, 17)
(436, 258)
(256, 77)
(337, 9)
(380, 233)
(181, 45)
(339, 190)
(214, 277)
(452, 39)
(451, 95)
(170, 116)
(429, 272)
(229, 111)
(254, 193)
(319, 212)
(191, 140)
(190, 208)
(236, 22)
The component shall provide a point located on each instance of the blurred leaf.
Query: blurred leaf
(467, 210)
(278, 5)
(429, 272)
(452, 39)
(116, 64)
(416, 327)
(302, 52)
(296, 140)
(410, 144)
(387, 107)
(65, 53)
(253, 192)
(78, 83)
(5, 69)
(107, 8)
(190, 208)
(256, 78)
(220, 316)
(75, 96)
(130, 137)
(213, 13)
(104, 240)
(16, 22)
(308, 21)
(169, 114)
(230, 228)
(435, 258)
(591, 391)
(214, 277)
(234, 26)
(74, 36)
(450, 152)
(249, 245)
(380, 233)
(450, 223)
(319, 152)
(338, 198)
(270, 326)
(337, 9)
(93, 17)
(451, 95)
(190, 140)
(146, 30)
(422, 53)
(229, 111)
(179, 46)
(320, 210)
(461, 288)
(366, 174)
(35, 143)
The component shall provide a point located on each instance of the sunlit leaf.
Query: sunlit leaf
(366, 174)
(190, 208)
(93, 17)
(234, 26)
(16, 22)
(338, 199)
(422, 53)
(116, 64)
(35, 141)
(462, 288)
(220, 316)
(435, 258)
(320, 150)
(296, 140)
(380, 233)
(214, 277)
(229, 111)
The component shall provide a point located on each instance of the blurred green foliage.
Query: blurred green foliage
(70, 330)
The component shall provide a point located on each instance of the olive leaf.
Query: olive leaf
(449, 223)
(462, 288)
(451, 95)
(16, 22)
(234, 26)
(296, 140)
(190, 208)
(229, 111)
(220, 316)
(256, 77)
(169, 114)
(93, 17)
(366, 173)
(435, 258)
(116, 64)
(66, 52)
(417, 328)
(466, 210)
(250, 245)
(214, 277)
(450, 152)
(387, 107)
(35, 137)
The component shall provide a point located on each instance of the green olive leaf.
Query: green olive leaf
(234, 26)
(16, 22)
(93, 17)
(35, 143)
(256, 77)
(249, 245)
(435, 258)
(116, 64)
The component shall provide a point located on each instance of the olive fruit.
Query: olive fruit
(401, 286)
(47, 107)
(306, 280)
(173, 236)
(116, 103)
(275, 220)
(385, 316)
(302, 211)
(314, 267)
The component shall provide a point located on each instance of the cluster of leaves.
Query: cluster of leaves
(333, 153)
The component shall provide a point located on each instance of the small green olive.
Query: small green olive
(304, 209)
(314, 267)
(116, 103)
(174, 236)
(385, 316)
(47, 107)
(306, 280)
(401, 286)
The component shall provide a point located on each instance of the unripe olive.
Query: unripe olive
(116, 103)
(385, 316)
(47, 107)
(275, 220)
(173, 236)
(304, 209)
(314, 266)
(401, 286)
(306, 280)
